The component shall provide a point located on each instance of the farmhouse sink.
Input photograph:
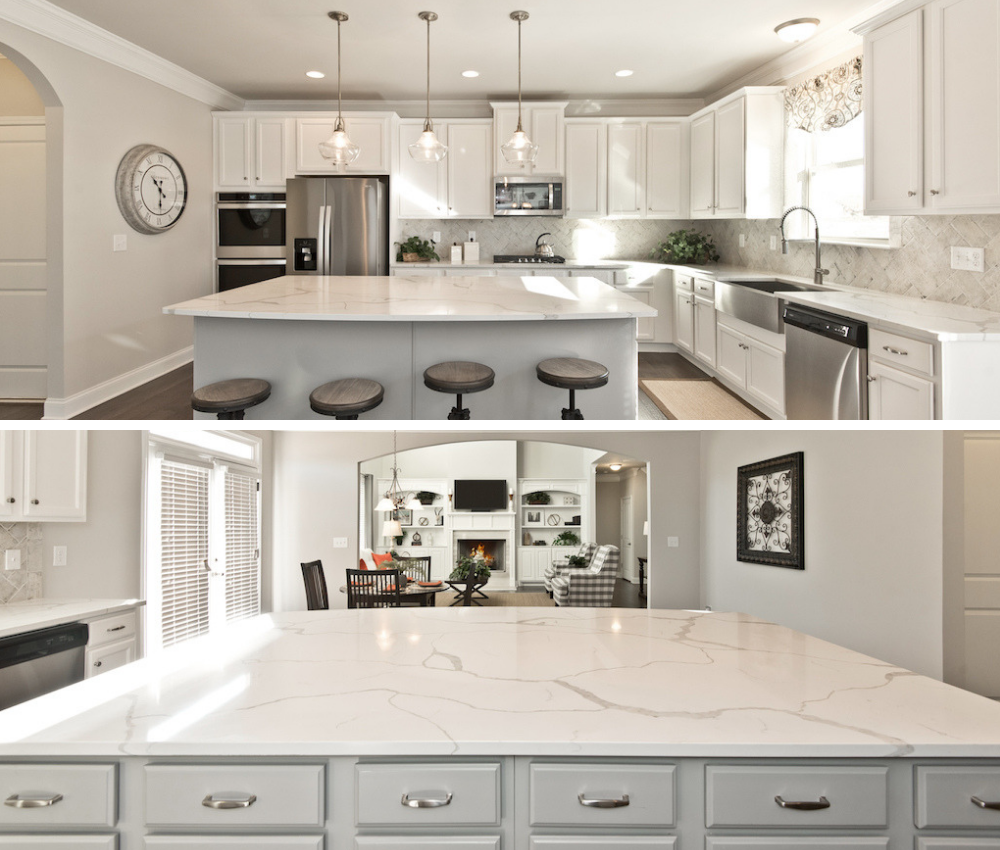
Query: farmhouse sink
(753, 300)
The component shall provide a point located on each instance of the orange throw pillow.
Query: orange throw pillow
(380, 559)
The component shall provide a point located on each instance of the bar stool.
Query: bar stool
(229, 399)
(572, 373)
(459, 377)
(346, 398)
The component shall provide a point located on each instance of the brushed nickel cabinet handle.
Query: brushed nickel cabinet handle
(211, 803)
(603, 803)
(911, 194)
(16, 801)
(872, 379)
(98, 663)
(985, 805)
(803, 805)
(116, 629)
(426, 802)
(11, 500)
(898, 351)
(34, 501)
(935, 192)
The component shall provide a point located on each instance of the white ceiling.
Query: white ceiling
(261, 49)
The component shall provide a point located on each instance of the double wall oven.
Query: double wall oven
(250, 244)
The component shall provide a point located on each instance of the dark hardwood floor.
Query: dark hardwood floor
(21, 410)
(166, 397)
(655, 366)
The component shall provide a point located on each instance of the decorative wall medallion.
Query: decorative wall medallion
(769, 512)
(151, 189)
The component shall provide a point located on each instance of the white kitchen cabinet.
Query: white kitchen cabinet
(895, 394)
(683, 313)
(754, 366)
(704, 330)
(666, 169)
(730, 158)
(421, 188)
(369, 130)
(703, 165)
(250, 152)
(626, 170)
(544, 125)
(112, 642)
(531, 562)
(645, 326)
(586, 190)
(111, 656)
(43, 476)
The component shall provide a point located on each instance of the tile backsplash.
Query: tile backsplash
(25, 583)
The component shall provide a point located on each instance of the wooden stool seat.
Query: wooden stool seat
(572, 373)
(459, 377)
(228, 399)
(346, 398)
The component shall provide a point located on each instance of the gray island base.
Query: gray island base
(300, 332)
(504, 729)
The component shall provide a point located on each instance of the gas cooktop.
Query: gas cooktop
(526, 258)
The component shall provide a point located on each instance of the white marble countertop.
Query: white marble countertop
(507, 681)
(18, 617)
(617, 265)
(418, 299)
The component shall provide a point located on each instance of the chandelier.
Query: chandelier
(394, 500)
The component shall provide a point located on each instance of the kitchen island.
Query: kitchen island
(299, 332)
(507, 728)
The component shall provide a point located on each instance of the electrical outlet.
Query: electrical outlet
(436, 236)
(968, 259)
(339, 542)
(12, 559)
(119, 242)
(58, 556)
(673, 542)
(743, 240)
(774, 243)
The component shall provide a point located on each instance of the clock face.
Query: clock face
(151, 189)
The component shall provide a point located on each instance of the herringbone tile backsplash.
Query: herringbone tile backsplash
(25, 583)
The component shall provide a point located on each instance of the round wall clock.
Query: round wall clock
(151, 189)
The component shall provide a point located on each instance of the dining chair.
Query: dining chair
(312, 575)
(373, 588)
(417, 569)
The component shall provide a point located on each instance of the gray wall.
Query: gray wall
(17, 94)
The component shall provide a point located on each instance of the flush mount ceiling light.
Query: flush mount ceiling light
(615, 467)
(470, 74)
(339, 148)
(797, 30)
(315, 75)
(519, 149)
(428, 147)
(624, 72)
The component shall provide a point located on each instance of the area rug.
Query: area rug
(508, 599)
(696, 400)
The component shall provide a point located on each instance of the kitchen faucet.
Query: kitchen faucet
(820, 271)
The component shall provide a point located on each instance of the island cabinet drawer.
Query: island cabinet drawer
(59, 842)
(958, 844)
(219, 842)
(233, 796)
(604, 842)
(800, 797)
(947, 797)
(113, 628)
(590, 795)
(58, 795)
(737, 842)
(427, 842)
(428, 794)
(912, 354)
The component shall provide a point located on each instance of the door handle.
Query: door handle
(245, 803)
(320, 242)
(983, 804)
(426, 802)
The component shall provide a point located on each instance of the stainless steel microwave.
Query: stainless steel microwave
(535, 195)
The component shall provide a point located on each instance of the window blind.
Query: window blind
(242, 546)
(183, 551)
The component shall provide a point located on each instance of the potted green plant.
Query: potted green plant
(426, 497)
(686, 247)
(416, 250)
(538, 497)
(576, 561)
(567, 538)
(468, 568)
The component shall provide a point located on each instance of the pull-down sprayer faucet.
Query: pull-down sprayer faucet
(820, 271)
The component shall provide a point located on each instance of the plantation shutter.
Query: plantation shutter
(183, 550)
(242, 545)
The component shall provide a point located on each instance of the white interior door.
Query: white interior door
(630, 567)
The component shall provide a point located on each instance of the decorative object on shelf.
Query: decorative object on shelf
(424, 520)
(428, 148)
(519, 149)
(534, 516)
(769, 507)
(797, 30)
(425, 497)
(567, 538)
(339, 149)
(569, 500)
(416, 250)
(541, 543)
(151, 189)
(416, 540)
(552, 519)
(826, 102)
(686, 246)
(525, 539)
(438, 516)
(538, 497)
(405, 516)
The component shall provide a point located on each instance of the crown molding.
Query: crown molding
(45, 19)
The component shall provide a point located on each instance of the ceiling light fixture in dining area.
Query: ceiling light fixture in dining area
(797, 30)
(339, 148)
(395, 500)
(428, 148)
(519, 149)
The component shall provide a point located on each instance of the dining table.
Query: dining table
(415, 593)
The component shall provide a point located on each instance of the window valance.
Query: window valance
(825, 102)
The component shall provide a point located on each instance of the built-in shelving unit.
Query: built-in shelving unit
(548, 509)
(427, 528)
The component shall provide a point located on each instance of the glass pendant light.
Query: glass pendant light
(339, 149)
(519, 149)
(428, 147)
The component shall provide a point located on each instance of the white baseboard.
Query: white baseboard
(67, 408)
(658, 347)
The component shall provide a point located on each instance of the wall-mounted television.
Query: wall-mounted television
(479, 495)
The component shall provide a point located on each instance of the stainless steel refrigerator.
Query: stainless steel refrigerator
(337, 225)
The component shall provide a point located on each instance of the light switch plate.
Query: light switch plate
(436, 236)
(743, 240)
(59, 556)
(968, 259)
(472, 235)
(12, 559)
(673, 542)
(339, 542)
(774, 243)
(120, 242)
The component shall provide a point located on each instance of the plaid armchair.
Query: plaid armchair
(560, 565)
(590, 587)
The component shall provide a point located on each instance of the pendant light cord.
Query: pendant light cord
(520, 129)
(427, 120)
(339, 103)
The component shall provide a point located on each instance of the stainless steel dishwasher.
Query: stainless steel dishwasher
(35, 663)
(826, 365)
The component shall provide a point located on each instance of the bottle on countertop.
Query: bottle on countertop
(456, 254)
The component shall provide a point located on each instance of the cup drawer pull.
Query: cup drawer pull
(985, 805)
(899, 352)
(803, 805)
(244, 803)
(603, 803)
(426, 802)
(18, 802)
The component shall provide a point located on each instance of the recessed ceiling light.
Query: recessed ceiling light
(798, 30)
(470, 74)
(624, 73)
(315, 75)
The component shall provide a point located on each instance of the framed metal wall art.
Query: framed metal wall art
(769, 506)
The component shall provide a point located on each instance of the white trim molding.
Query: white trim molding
(67, 408)
(43, 18)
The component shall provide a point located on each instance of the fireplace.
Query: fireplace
(490, 550)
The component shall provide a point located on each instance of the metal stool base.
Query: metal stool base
(458, 412)
(571, 412)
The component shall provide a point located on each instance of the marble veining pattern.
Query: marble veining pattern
(418, 299)
(25, 616)
(508, 681)
(26, 583)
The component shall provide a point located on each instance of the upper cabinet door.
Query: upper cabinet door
(893, 108)
(369, 133)
(665, 170)
(626, 177)
(586, 169)
(420, 187)
(233, 152)
(730, 158)
(468, 162)
(547, 132)
(269, 156)
(964, 114)
(55, 475)
(703, 166)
